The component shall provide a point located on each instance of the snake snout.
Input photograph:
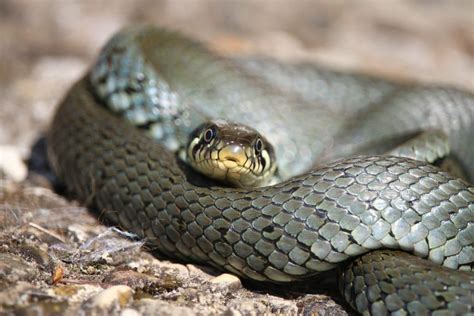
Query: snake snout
(233, 153)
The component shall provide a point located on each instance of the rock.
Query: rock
(36, 254)
(319, 305)
(23, 298)
(11, 163)
(109, 300)
(179, 271)
(281, 306)
(225, 278)
(227, 281)
(144, 282)
(200, 272)
(162, 308)
(269, 305)
(248, 306)
(129, 312)
(14, 268)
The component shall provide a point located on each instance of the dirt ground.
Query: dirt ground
(55, 256)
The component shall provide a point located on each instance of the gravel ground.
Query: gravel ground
(56, 257)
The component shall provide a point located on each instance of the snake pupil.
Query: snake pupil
(258, 145)
(209, 134)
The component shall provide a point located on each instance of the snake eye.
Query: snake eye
(209, 134)
(258, 146)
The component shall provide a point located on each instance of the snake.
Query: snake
(398, 230)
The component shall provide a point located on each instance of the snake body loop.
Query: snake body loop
(294, 229)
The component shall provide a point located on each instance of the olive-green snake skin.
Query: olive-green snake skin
(308, 223)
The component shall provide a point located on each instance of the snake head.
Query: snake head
(231, 153)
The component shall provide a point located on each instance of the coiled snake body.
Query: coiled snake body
(305, 224)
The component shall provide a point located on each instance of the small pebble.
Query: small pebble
(225, 278)
(227, 281)
(12, 163)
(108, 299)
(129, 312)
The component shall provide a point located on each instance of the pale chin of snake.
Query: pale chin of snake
(310, 223)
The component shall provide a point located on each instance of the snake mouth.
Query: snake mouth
(229, 171)
(230, 163)
(231, 159)
(225, 165)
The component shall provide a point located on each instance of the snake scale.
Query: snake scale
(311, 221)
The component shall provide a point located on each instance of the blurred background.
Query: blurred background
(46, 44)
